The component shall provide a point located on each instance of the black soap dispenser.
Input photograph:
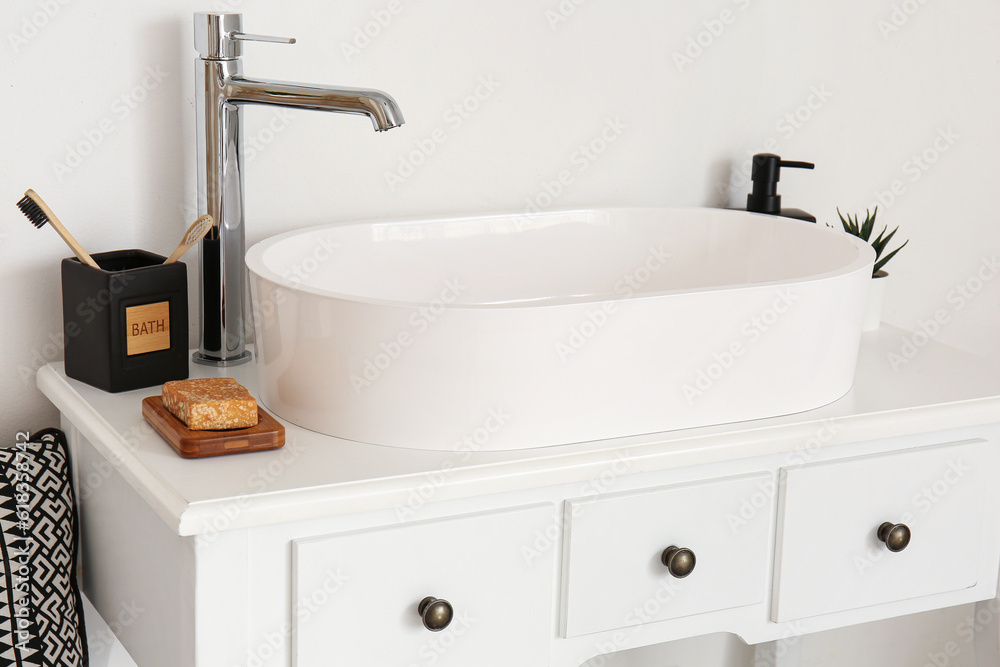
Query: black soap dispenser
(765, 198)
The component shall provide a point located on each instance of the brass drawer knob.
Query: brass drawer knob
(678, 561)
(436, 614)
(895, 535)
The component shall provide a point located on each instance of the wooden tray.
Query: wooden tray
(267, 434)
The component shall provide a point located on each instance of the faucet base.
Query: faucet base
(203, 360)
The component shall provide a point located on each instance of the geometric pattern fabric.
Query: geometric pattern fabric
(41, 610)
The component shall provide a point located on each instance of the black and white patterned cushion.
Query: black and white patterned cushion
(41, 610)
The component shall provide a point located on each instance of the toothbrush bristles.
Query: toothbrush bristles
(32, 212)
(198, 231)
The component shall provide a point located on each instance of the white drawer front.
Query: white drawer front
(829, 557)
(615, 577)
(502, 599)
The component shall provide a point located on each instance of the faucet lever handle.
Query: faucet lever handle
(220, 36)
(250, 37)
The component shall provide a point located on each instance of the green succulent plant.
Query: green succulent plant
(863, 230)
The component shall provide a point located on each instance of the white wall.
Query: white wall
(873, 85)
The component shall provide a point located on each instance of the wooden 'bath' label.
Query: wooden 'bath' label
(147, 328)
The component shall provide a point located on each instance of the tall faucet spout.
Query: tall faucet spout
(377, 105)
(221, 92)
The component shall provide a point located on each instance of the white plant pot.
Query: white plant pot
(873, 307)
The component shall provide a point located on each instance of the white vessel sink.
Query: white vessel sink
(518, 331)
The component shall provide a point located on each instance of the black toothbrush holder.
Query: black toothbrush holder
(126, 323)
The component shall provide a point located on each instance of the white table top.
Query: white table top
(317, 475)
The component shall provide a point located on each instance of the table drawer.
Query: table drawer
(615, 573)
(829, 556)
(356, 595)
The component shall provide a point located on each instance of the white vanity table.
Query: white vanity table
(324, 549)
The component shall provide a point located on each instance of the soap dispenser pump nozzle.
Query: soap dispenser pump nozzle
(765, 176)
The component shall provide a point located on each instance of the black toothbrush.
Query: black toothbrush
(38, 214)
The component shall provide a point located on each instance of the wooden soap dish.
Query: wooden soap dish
(267, 434)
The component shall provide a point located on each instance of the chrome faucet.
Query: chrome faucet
(221, 91)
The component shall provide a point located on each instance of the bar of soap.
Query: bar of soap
(210, 404)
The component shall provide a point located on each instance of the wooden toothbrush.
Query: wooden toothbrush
(194, 233)
(38, 214)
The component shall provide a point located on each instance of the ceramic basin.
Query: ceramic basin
(519, 331)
